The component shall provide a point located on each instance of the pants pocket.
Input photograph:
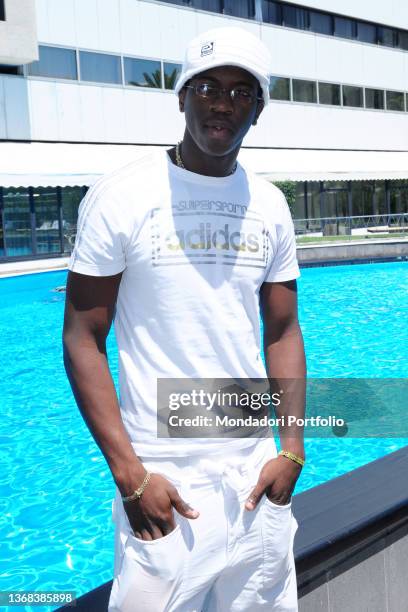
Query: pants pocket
(278, 530)
(149, 571)
(162, 557)
(150, 574)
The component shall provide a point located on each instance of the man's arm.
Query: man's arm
(286, 368)
(89, 310)
(285, 357)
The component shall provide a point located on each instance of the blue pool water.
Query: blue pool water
(55, 488)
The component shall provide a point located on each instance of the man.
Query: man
(183, 247)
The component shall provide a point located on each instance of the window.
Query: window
(352, 96)
(335, 200)
(387, 37)
(362, 197)
(47, 225)
(398, 200)
(38, 219)
(207, 5)
(345, 28)
(395, 101)
(271, 12)
(6, 69)
(279, 88)
(17, 221)
(2, 14)
(171, 73)
(329, 93)
(294, 17)
(148, 73)
(374, 98)
(179, 2)
(320, 23)
(2, 245)
(55, 62)
(100, 67)
(313, 202)
(380, 198)
(366, 32)
(334, 185)
(239, 8)
(403, 40)
(399, 183)
(142, 73)
(299, 205)
(70, 200)
(304, 91)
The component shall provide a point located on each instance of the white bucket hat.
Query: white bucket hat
(227, 47)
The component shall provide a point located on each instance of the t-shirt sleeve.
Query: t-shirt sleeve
(284, 266)
(100, 241)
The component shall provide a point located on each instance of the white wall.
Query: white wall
(311, 126)
(14, 108)
(91, 113)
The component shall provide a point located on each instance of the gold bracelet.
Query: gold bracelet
(137, 494)
(292, 456)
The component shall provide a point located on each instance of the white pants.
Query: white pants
(228, 560)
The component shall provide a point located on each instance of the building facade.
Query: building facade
(80, 75)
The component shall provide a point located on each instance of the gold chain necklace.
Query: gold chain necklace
(180, 163)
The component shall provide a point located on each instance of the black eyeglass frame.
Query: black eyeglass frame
(221, 90)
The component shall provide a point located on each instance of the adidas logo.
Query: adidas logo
(204, 237)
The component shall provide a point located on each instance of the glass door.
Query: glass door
(17, 222)
(398, 200)
(335, 203)
(47, 226)
(2, 250)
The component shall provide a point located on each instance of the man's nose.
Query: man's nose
(223, 102)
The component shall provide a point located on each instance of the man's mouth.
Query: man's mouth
(219, 129)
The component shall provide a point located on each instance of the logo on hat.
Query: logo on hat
(207, 49)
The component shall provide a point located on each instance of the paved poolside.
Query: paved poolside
(16, 268)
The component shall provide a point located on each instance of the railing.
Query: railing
(365, 226)
(69, 239)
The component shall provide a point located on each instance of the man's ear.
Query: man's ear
(181, 97)
(259, 109)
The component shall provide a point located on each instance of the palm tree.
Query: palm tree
(153, 79)
(170, 79)
(150, 80)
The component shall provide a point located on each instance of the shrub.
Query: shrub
(289, 191)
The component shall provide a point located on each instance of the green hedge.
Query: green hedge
(289, 190)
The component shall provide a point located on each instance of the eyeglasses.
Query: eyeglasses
(237, 94)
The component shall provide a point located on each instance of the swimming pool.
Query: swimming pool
(55, 525)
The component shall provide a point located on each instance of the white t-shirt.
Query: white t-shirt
(194, 251)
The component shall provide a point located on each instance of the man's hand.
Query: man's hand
(277, 480)
(151, 517)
